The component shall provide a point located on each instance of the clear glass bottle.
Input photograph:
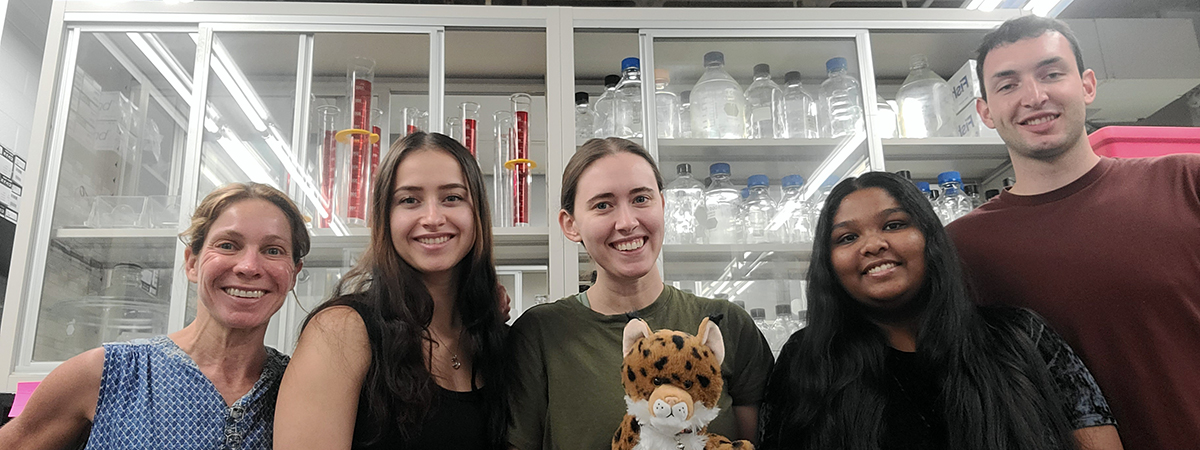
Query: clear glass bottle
(685, 115)
(885, 122)
(794, 210)
(606, 108)
(765, 101)
(841, 101)
(629, 100)
(818, 201)
(972, 192)
(785, 323)
(718, 104)
(666, 106)
(926, 102)
(759, 316)
(722, 203)
(799, 108)
(684, 202)
(585, 119)
(758, 211)
(954, 203)
(924, 188)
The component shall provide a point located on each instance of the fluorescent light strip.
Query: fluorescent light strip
(241, 156)
(159, 47)
(835, 160)
(238, 96)
(974, 4)
(1041, 7)
(283, 153)
(156, 60)
(240, 79)
(989, 5)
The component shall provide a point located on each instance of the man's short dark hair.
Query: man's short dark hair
(1024, 27)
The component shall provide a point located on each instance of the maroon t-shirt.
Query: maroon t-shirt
(1112, 261)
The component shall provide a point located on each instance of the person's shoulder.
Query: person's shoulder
(555, 312)
(730, 314)
(1177, 162)
(340, 322)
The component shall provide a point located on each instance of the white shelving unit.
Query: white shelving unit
(433, 56)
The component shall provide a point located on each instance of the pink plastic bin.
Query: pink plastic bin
(1140, 142)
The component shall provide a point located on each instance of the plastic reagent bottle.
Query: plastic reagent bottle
(684, 199)
(722, 202)
(794, 211)
(926, 102)
(799, 108)
(585, 119)
(757, 212)
(954, 204)
(629, 99)
(606, 108)
(924, 188)
(685, 114)
(765, 100)
(841, 101)
(886, 124)
(666, 106)
(718, 105)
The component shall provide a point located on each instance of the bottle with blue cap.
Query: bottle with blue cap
(758, 213)
(954, 203)
(723, 203)
(794, 210)
(924, 188)
(629, 99)
(718, 103)
(841, 101)
(684, 202)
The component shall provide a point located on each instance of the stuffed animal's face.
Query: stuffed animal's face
(672, 379)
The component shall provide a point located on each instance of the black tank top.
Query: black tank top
(456, 420)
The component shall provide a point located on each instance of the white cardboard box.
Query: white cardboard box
(964, 86)
(969, 124)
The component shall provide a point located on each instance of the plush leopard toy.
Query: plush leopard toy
(672, 382)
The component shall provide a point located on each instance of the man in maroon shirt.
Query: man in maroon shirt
(1107, 250)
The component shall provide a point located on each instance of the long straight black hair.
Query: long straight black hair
(398, 390)
(996, 392)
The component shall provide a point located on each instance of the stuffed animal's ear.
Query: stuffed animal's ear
(710, 336)
(634, 330)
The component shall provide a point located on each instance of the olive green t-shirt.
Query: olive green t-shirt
(568, 394)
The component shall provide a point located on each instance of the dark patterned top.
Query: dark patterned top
(153, 396)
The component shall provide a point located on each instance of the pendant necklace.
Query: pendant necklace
(454, 361)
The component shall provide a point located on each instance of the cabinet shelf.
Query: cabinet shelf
(975, 158)
(720, 262)
(105, 247)
(512, 245)
(774, 158)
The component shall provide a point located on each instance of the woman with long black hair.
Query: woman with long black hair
(896, 356)
(409, 351)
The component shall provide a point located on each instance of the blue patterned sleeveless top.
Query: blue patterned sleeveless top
(153, 396)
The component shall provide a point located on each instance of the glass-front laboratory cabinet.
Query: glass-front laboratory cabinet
(750, 121)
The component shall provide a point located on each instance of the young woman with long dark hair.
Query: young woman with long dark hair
(408, 352)
(896, 356)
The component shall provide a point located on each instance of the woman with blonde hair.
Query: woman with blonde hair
(210, 385)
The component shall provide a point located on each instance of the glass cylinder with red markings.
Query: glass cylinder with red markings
(327, 133)
(520, 158)
(361, 73)
(470, 125)
(411, 120)
(454, 129)
(502, 198)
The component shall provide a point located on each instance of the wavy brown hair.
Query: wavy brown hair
(398, 390)
(220, 199)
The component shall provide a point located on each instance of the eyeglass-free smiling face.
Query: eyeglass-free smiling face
(1036, 96)
(618, 215)
(432, 217)
(877, 251)
(245, 267)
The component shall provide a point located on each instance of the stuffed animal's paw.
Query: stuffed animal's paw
(718, 442)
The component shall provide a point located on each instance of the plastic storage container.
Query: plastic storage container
(1140, 142)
